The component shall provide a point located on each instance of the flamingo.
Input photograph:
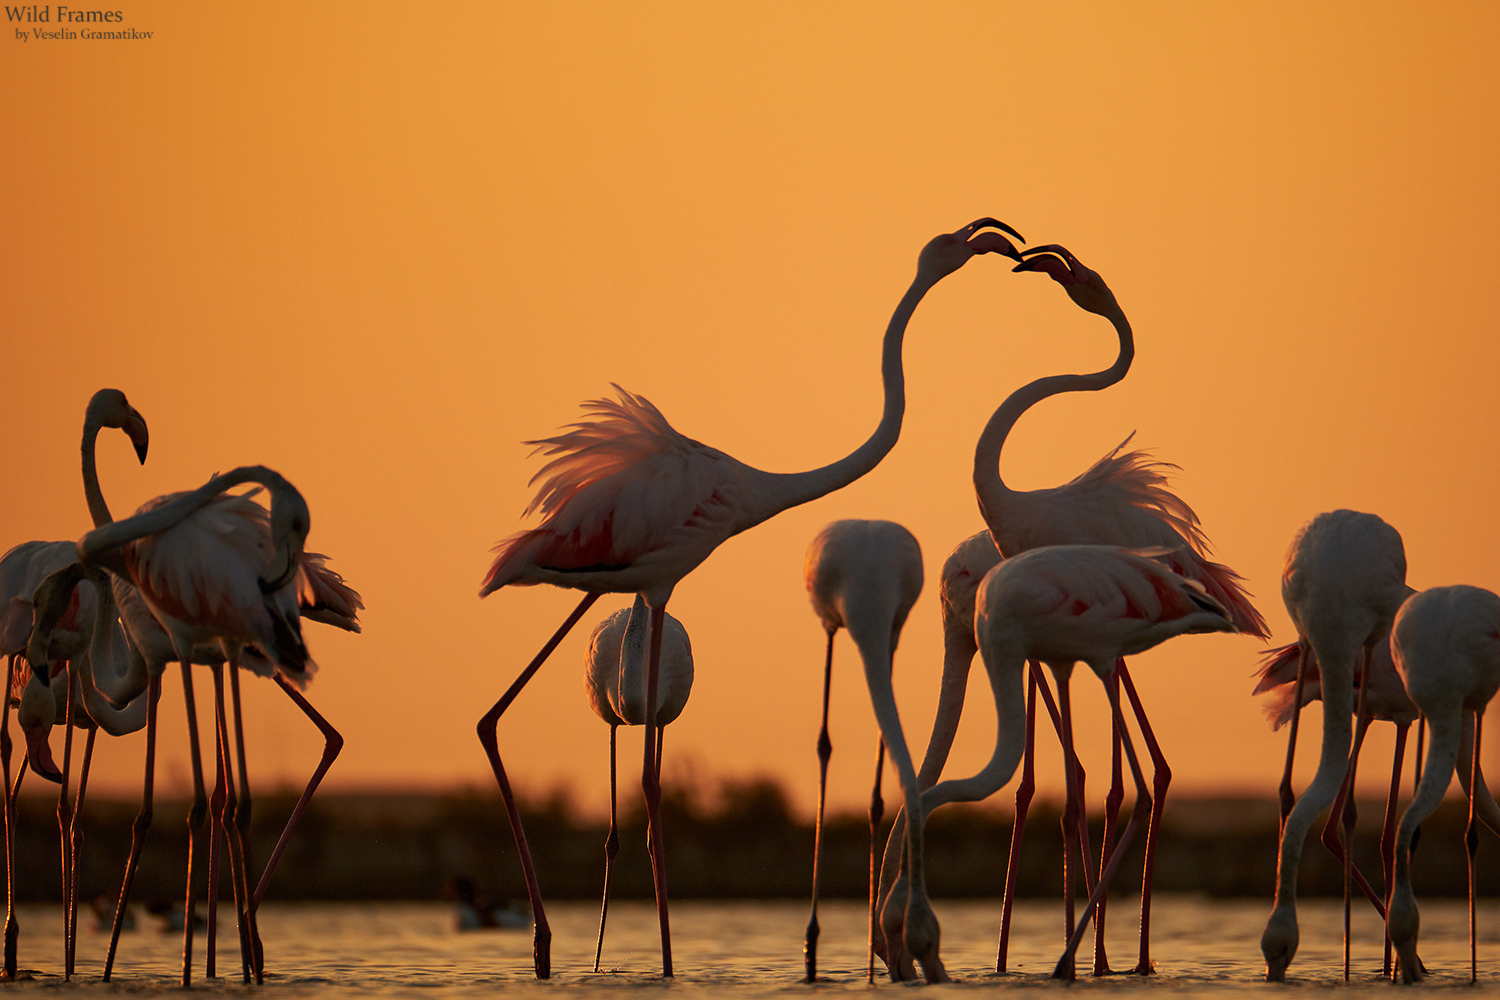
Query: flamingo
(1122, 500)
(1059, 605)
(322, 596)
(614, 671)
(1344, 579)
(962, 572)
(865, 576)
(1447, 647)
(213, 568)
(632, 506)
(1385, 700)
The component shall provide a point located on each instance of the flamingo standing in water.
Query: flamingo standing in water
(632, 506)
(1344, 579)
(1447, 647)
(212, 570)
(1122, 500)
(614, 676)
(1059, 605)
(865, 576)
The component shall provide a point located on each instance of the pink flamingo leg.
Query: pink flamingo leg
(1362, 724)
(1065, 964)
(251, 957)
(141, 825)
(12, 929)
(1112, 803)
(195, 820)
(651, 787)
(1161, 778)
(216, 832)
(488, 736)
(76, 836)
(1024, 792)
(227, 807)
(1071, 811)
(1471, 843)
(64, 817)
(825, 751)
(877, 812)
(333, 742)
(611, 847)
(1388, 829)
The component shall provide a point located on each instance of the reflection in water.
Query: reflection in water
(752, 949)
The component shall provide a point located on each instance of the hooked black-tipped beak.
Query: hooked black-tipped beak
(139, 435)
(989, 223)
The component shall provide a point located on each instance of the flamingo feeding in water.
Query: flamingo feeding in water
(614, 677)
(1122, 500)
(865, 576)
(1344, 579)
(1447, 647)
(632, 506)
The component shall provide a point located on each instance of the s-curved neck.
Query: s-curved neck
(988, 483)
(112, 672)
(790, 489)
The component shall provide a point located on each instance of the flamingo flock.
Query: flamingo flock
(1093, 571)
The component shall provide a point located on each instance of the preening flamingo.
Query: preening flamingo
(213, 570)
(614, 677)
(1447, 647)
(1122, 500)
(1344, 578)
(865, 576)
(632, 506)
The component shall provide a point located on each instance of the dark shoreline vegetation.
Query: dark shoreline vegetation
(742, 840)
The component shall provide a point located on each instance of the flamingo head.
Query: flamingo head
(110, 408)
(37, 714)
(290, 523)
(947, 253)
(1084, 286)
(54, 599)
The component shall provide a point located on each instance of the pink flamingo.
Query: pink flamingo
(1447, 647)
(1059, 605)
(1121, 500)
(865, 576)
(215, 569)
(614, 674)
(1344, 579)
(632, 506)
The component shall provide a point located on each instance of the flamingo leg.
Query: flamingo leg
(825, 751)
(1024, 792)
(651, 787)
(142, 823)
(1161, 778)
(1065, 968)
(76, 836)
(237, 880)
(1416, 778)
(12, 929)
(216, 831)
(333, 742)
(64, 817)
(1471, 844)
(877, 813)
(489, 727)
(611, 847)
(195, 820)
(1362, 724)
(1287, 797)
(251, 954)
(1388, 828)
(1138, 812)
(1112, 803)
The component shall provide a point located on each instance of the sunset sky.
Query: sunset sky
(375, 246)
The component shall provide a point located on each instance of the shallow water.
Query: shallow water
(748, 950)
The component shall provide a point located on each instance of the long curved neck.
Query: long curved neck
(632, 678)
(98, 509)
(111, 671)
(101, 546)
(789, 489)
(991, 488)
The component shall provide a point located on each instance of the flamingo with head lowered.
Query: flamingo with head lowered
(633, 506)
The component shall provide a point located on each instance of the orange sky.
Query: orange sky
(375, 246)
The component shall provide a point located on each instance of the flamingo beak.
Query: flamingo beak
(39, 754)
(989, 223)
(140, 437)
